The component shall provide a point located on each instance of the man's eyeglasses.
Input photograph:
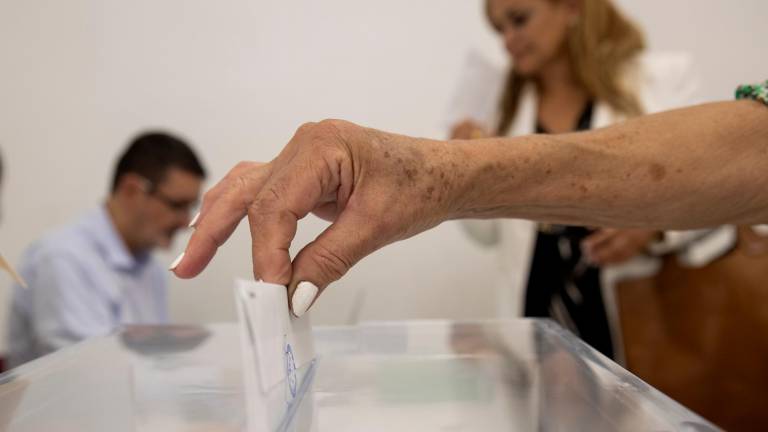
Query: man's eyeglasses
(177, 206)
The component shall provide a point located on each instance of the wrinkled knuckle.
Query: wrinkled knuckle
(237, 170)
(306, 128)
(331, 131)
(242, 191)
(242, 165)
(273, 194)
(241, 184)
(332, 126)
(275, 191)
(326, 138)
(331, 265)
(265, 204)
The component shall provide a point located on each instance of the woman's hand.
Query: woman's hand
(615, 246)
(468, 129)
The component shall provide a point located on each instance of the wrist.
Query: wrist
(498, 177)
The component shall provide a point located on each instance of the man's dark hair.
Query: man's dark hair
(152, 154)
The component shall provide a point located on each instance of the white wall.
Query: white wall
(77, 78)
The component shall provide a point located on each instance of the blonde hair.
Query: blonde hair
(600, 46)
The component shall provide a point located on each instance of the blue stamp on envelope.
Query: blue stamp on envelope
(290, 370)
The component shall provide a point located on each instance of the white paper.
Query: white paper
(275, 345)
(477, 93)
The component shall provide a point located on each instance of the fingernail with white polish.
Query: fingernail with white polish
(176, 262)
(303, 296)
(193, 222)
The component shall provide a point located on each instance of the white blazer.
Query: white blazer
(663, 82)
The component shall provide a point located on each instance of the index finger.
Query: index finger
(218, 222)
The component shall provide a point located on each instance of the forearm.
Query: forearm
(688, 168)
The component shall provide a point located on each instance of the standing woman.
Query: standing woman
(576, 65)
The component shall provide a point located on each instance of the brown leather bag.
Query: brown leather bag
(700, 335)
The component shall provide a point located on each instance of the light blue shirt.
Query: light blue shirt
(83, 282)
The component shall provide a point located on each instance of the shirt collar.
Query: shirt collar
(108, 240)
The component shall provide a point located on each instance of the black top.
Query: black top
(584, 122)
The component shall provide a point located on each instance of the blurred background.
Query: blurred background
(236, 78)
(79, 78)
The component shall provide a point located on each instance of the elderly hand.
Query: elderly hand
(615, 246)
(468, 129)
(375, 187)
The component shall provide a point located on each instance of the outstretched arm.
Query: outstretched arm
(688, 168)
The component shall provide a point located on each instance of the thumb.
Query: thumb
(326, 259)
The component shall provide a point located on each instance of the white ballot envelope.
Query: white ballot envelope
(278, 357)
(476, 97)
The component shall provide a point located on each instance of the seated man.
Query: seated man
(92, 276)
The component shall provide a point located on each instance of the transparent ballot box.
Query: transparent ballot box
(514, 375)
